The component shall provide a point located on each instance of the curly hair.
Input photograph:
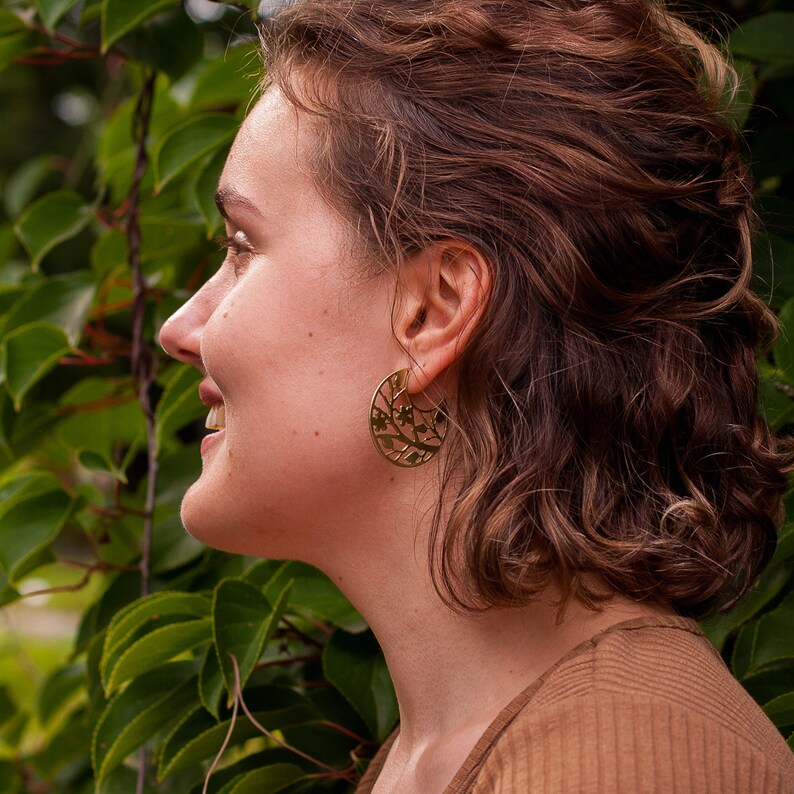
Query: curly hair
(608, 431)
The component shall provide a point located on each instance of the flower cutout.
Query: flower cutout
(405, 415)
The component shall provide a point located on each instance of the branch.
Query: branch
(143, 357)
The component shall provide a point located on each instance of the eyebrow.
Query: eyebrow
(224, 197)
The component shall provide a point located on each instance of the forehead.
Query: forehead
(269, 144)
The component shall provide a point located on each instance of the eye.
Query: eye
(239, 247)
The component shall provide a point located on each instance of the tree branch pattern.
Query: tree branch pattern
(404, 434)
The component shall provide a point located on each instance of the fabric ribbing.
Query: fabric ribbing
(646, 705)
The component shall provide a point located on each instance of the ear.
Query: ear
(444, 289)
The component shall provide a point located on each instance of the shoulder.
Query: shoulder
(647, 708)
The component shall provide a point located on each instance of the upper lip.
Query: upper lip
(209, 394)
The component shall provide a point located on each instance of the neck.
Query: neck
(453, 674)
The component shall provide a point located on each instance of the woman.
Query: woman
(482, 350)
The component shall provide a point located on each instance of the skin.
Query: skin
(293, 346)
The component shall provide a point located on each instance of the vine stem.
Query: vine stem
(239, 696)
(144, 361)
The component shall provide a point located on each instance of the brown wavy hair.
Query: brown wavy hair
(608, 434)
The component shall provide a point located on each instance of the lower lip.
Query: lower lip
(211, 439)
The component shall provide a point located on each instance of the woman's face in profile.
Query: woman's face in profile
(291, 347)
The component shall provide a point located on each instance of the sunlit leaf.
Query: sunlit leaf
(267, 780)
(155, 647)
(205, 186)
(140, 612)
(60, 300)
(51, 11)
(189, 143)
(50, 221)
(198, 736)
(30, 353)
(243, 621)
(58, 689)
(30, 526)
(180, 403)
(15, 38)
(229, 79)
(144, 708)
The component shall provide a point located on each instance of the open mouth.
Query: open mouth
(216, 418)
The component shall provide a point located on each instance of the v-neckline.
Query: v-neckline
(477, 754)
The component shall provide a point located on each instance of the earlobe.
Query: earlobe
(445, 289)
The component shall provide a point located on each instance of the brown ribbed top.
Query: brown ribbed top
(644, 706)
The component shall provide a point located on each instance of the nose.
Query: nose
(180, 335)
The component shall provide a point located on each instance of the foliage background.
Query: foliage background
(118, 630)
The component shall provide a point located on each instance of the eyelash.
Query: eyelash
(240, 252)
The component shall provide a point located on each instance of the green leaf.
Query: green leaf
(205, 186)
(775, 639)
(784, 345)
(190, 142)
(745, 95)
(21, 187)
(144, 708)
(30, 353)
(785, 544)
(8, 706)
(58, 689)
(198, 736)
(313, 593)
(51, 220)
(142, 611)
(742, 657)
(354, 664)
(153, 43)
(16, 487)
(781, 710)
(172, 546)
(100, 416)
(180, 403)
(766, 37)
(15, 38)
(227, 80)
(210, 683)
(266, 780)
(28, 527)
(773, 263)
(61, 300)
(155, 647)
(719, 627)
(121, 16)
(243, 621)
(10, 781)
(51, 11)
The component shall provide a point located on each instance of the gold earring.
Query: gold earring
(402, 433)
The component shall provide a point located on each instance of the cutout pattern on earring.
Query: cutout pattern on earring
(402, 433)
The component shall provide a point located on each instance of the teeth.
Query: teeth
(216, 419)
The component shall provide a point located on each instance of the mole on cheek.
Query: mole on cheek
(225, 315)
(316, 432)
(311, 334)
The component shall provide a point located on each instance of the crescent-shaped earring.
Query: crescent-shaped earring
(403, 434)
